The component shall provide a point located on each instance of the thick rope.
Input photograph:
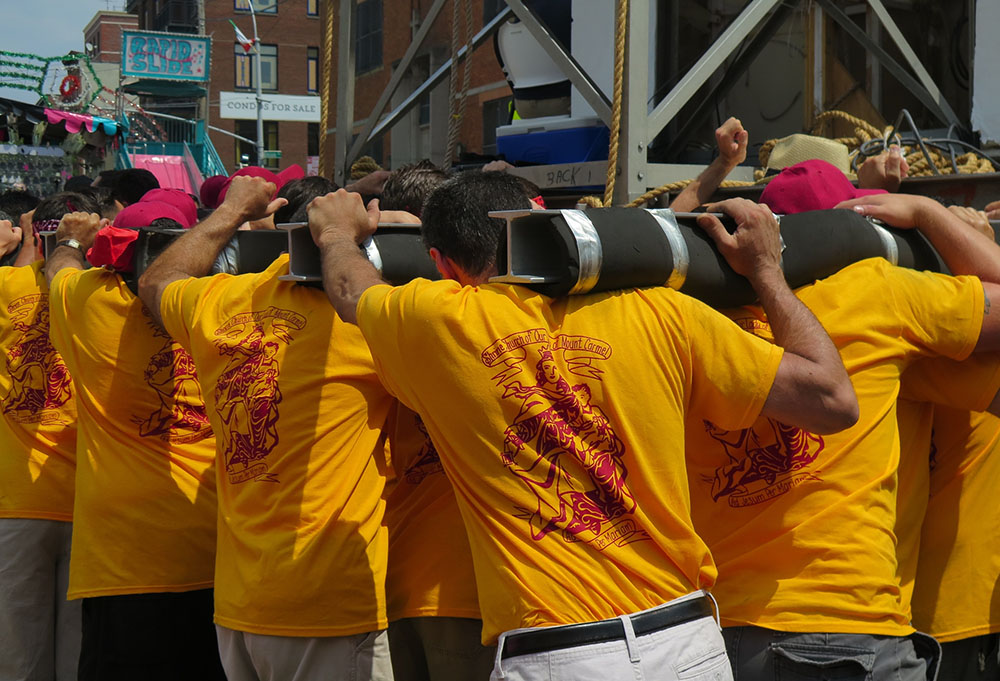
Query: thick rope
(456, 104)
(327, 76)
(621, 27)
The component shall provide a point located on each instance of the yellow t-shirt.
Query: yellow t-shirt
(298, 412)
(801, 525)
(959, 550)
(145, 485)
(430, 563)
(37, 407)
(969, 385)
(558, 423)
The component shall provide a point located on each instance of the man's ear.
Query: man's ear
(105, 222)
(445, 267)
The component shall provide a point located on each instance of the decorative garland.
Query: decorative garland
(67, 90)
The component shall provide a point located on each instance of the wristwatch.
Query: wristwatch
(70, 243)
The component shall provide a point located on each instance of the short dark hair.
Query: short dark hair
(130, 185)
(16, 203)
(105, 199)
(165, 223)
(408, 187)
(299, 193)
(455, 218)
(56, 206)
(76, 183)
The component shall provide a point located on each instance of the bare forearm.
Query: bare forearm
(702, 188)
(347, 274)
(812, 389)
(963, 249)
(192, 255)
(794, 326)
(61, 258)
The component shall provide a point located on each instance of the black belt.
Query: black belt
(572, 635)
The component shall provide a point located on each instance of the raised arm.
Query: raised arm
(731, 139)
(811, 389)
(192, 255)
(339, 222)
(74, 237)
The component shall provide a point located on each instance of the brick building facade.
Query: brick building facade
(103, 35)
(291, 37)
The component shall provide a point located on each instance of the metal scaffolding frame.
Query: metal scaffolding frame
(749, 31)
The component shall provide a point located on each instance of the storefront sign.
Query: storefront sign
(243, 106)
(166, 56)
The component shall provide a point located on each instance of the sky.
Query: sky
(47, 28)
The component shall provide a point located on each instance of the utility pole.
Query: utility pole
(260, 98)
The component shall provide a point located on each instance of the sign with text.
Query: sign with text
(165, 56)
(243, 105)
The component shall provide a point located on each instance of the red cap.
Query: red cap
(210, 190)
(177, 198)
(143, 213)
(810, 185)
(114, 247)
(292, 172)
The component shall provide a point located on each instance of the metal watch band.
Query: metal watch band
(71, 243)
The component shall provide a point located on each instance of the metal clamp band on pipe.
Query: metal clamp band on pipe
(678, 247)
(588, 246)
(372, 253)
(891, 247)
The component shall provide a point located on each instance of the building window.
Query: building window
(259, 6)
(246, 153)
(312, 139)
(312, 8)
(369, 38)
(372, 148)
(244, 67)
(312, 69)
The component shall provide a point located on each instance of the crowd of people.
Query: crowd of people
(208, 473)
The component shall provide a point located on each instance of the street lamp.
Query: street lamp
(260, 98)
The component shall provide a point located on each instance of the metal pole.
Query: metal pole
(260, 98)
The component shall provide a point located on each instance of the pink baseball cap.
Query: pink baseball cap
(210, 188)
(810, 185)
(143, 213)
(177, 198)
(292, 172)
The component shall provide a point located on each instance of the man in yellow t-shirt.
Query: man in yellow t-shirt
(561, 440)
(951, 565)
(39, 628)
(431, 600)
(145, 511)
(803, 525)
(298, 411)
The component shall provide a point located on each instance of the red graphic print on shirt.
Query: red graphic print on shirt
(40, 381)
(181, 416)
(247, 393)
(427, 461)
(760, 465)
(561, 445)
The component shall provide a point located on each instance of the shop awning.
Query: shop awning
(164, 88)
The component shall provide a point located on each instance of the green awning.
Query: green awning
(164, 88)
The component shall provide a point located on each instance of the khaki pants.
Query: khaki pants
(256, 657)
(39, 628)
(439, 649)
(690, 651)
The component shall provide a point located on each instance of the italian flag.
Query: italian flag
(247, 43)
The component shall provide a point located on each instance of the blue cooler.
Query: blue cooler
(552, 140)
